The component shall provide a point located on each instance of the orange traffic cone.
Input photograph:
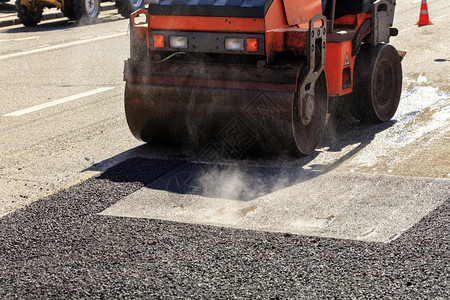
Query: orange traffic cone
(424, 19)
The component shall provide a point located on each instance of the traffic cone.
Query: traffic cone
(424, 19)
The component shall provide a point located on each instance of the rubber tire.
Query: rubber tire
(27, 18)
(377, 84)
(307, 137)
(84, 14)
(126, 7)
(69, 12)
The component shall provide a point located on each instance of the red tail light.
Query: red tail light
(159, 41)
(251, 44)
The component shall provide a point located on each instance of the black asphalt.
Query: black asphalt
(59, 247)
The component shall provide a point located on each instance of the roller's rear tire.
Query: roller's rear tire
(377, 84)
(28, 18)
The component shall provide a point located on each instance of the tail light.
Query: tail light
(159, 41)
(251, 44)
(206, 42)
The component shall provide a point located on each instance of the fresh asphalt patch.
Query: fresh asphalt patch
(63, 246)
(370, 207)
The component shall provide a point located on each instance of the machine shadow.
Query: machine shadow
(7, 8)
(235, 179)
(53, 26)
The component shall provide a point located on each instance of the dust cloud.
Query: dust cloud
(232, 182)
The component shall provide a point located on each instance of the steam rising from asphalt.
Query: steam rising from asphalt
(241, 183)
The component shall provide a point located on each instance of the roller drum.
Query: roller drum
(261, 113)
(198, 118)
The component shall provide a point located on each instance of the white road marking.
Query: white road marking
(56, 102)
(21, 39)
(396, 236)
(61, 46)
(415, 26)
(8, 15)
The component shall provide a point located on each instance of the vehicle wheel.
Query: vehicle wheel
(28, 18)
(86, 11)
(69, 12)
(377, 84)
(126, 7)
(308, 129)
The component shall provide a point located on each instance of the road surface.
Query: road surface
(88, 211)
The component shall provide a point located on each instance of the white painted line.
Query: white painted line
(415, 26)
(61, 46)
(396, 236)
(7, 15)
(56, 102)
(21, 39)
(369, 232)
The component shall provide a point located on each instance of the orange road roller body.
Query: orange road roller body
(240, 76)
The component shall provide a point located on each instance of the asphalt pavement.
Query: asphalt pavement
(65, 234)
(8, 14)
(60, 247)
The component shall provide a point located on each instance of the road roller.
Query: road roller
(258, 76)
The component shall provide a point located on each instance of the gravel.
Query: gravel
(59, 247)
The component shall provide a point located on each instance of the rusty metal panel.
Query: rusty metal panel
(296, 41)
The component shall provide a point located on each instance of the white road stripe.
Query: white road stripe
(61, 46)
(56, 102)
(21, 39)
(415, 26)
(8, 15)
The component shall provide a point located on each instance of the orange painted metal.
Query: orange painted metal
(336, 57)
(300, 11)
(193, 23)
(276, 17)
(355, 20)
(336, 62)
(285, 26)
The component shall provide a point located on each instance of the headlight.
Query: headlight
(178, 42)
(235, 44)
